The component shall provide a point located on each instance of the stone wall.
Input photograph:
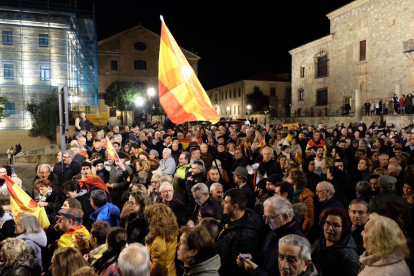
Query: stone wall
(384, 25)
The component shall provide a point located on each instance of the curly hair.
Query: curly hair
(74, 203)
(299, 179)
(154, 164)
(42, 182)
(384, 237)
(144, 164)
(13, 249)
(162, 221)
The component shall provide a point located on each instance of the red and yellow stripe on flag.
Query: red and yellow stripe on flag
(185, 142)
(181, 94)
(262, 143)
(110, 149)
(298, 158)
(294, 124)
(21, 203)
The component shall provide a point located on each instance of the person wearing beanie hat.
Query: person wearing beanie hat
(153, 154)
(76, 235)
(99, 165)
(386, 184)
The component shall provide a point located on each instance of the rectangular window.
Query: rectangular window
(44, 72)
(8, 37)
(226, 94)
(222, 97)
(88, 110)
(140, 65)
(43, 40)
(301, 96)
(230, 109)
(322, 70)
(230, 94)
(215, 98)
(239, 92)
(234, 93)
(112, 112)
(322, 97)
(222, 111)
(8, 71)
(256, 89)
(10, 109)
(239, 109)
(114, 65)
(272, 91)
(302, 72)
(235, 110)
(362, 50)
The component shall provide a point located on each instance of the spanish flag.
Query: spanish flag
(185, 142)
(294, 124)
(298, 158)
(262, 143)
(21, 203)
(110, 149)
(181, 93)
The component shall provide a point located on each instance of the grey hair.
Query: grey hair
(134, 260)
(303, 243)
(44, 165)
(118, 136)
(358, 201)
(167, 178)
(82, 138)
(69, 152)
(278, 202)
(361, 188)
(163, 184)
(200, 187)
(329, 188)
(169, 150)
(214, 185)
(30, 223)
(396, 165)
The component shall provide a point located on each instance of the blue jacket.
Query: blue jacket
(108, 213)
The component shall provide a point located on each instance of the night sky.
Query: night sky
(235, 39)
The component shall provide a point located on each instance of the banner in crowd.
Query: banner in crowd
(181, 94)
(294, 124)
(185, 142)
(22, 203)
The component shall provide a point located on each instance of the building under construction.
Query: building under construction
(45, 44)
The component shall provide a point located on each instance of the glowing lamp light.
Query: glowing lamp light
(139, 101)
(151, 91)
(249, 107)
(75, 99)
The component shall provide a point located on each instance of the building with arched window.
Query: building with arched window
(130, 56)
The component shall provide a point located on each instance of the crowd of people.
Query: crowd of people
(229, 199)
(399, 105)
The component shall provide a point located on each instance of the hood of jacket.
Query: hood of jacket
(7, 216)
(299, 207)
(208, 266)
(107, 210)
(25, 260)
(376, 261)
(305, 164)
(38, 238)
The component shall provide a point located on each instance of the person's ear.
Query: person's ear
(305, 266)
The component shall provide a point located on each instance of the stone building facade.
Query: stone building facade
(364, 51)
(230, 100)
(131, 56)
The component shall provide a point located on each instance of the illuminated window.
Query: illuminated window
(8, 71)
(43, 40)
(44, 73)
(8, 37)
(140, 65)
(10, 109)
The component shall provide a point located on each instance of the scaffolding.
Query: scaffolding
(45, 44)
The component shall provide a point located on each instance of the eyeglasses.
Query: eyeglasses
(359, 212)
(335, 226)
(153, 182)
(269, 218)
(130, 203)
(167, 191)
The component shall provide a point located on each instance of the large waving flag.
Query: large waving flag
(181, 94)
(21, 203)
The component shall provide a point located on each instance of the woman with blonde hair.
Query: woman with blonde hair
(153, 189)
(66, 261)
(16, 258)
(386, 248)
(162, 239)
(142, 165)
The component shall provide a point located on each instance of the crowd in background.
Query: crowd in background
(219, 200)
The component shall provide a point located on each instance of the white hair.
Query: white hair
(214, 185)
(200, 187)
(280, 203)
(44, 165)
(303, 243)
(163, 184)
(134, 260)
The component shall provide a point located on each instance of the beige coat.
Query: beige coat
(9, 153)
(375, 266)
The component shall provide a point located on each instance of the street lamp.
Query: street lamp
(151, 92)
(228, 109)
(139, 101)
(248, 110)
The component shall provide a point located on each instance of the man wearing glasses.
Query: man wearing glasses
(70, 167)
(359, 215)
(279, 215)
(178, 208)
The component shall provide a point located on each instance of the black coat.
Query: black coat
(137, 229)
(22, 267)
(356, 235)
(241, 162)
(340, 259)
(267, 260)
(54, 204)
(226, 160)
(70, 171)
(237, 237)
(87, 210)
(189, 199)
(218, 209)
(7, 229)
(179, 210)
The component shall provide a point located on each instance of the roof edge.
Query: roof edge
(312, 44)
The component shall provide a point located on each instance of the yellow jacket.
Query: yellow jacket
(162, 256)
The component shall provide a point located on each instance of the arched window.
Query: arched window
(140, 65)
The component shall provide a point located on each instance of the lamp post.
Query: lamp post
(228, 109)
(248, 110)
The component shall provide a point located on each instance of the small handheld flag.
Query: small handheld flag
(110, 148)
